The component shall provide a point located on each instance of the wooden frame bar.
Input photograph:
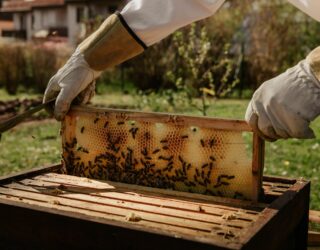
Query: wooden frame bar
(258, 151)
(205, 122)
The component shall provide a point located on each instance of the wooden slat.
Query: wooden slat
(314, 238)
(133, 206)
(128, 196)
(204, 122)
(278, 179)
(107, 210)
(226, 203)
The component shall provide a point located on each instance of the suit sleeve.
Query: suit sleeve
(310, 7)
(153, 20)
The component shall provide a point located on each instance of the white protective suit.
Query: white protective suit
(281, 108)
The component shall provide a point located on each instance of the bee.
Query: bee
(96, 120)
(202, 143)
(165, 148)
(205, 165)
(156, 151)
(184, 169)
(165, 169)
(195, 178)
(207, 181)
(202, 174)
(211, 143)
(120, 123)
(184, 136)
(176, 172)
(225, 183)
(212, 158)
(82, 130)
(164, 141)
(106, 124)
(209, 173)
(144, 152)
(180, 159)
(197, 172)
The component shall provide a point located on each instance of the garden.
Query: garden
(210, 68)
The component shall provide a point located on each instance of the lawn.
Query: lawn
(34, 144)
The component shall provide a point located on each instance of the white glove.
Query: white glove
(74, 79)
(284, 106)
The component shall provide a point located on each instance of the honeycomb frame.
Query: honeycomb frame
(184, 153)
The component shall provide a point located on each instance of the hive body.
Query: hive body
(156, 151)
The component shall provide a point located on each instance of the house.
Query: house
(55, 20)
(6, 22)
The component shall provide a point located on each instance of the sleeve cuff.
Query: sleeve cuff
(131, 32)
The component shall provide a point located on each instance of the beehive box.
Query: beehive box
(42, 209)
(184, 153)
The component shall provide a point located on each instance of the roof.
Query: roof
(27, 5)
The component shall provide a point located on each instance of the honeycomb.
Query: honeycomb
(112, 146)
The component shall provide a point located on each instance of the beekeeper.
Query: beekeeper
(282, 107)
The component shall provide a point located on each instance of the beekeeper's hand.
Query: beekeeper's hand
(112, 44)
(284, 106)
(75, 80)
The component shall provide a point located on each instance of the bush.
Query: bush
(254, 40)
(29, 67)
(12, 67)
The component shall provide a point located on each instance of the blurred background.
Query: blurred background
(209, 68)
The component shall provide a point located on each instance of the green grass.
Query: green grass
(4, 96)
(37, 144)
(29, 145)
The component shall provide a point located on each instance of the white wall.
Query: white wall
(75, 28)
(46, 18)
(29, 25)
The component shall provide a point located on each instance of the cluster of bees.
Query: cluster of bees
(121, 163)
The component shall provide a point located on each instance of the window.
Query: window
(80, 14)
(32, 21)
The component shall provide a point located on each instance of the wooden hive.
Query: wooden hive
(42, 209)
(185, 153)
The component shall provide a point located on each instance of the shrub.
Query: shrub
(12, 67)
(29, 67)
